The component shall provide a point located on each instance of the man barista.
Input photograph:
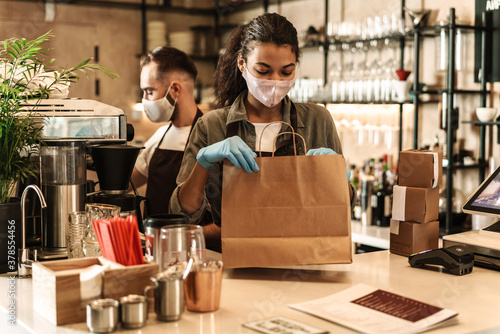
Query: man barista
(167, 79)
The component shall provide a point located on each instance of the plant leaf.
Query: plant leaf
(21, 134)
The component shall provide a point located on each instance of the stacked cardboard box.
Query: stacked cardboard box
(415, 210)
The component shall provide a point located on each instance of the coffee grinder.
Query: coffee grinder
(63, 180)
(114, 165)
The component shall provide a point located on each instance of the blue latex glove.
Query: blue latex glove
(327, 151)
(321, 151)
(234, 149)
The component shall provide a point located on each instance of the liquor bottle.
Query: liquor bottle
(375, 189)
(379, 197)
(387, 182)
(366, 186)
(384, 202)
(355, 181)
(354, 176)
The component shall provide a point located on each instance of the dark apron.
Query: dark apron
(284, 148)
(162, 173)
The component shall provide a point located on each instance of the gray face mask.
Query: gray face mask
(160, 110)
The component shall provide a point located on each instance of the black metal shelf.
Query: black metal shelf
(479, 123)
(367, 102)
(450, 92)
(462, 166)
(331, 46)
(318, 47)
(133, 6)
(483, 125)
(139, 5)
(213, 58)
(396, 37)
(436, 28)
(325, 48)
(253, 4)
(182, 10)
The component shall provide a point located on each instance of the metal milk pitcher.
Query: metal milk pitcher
(169, 293)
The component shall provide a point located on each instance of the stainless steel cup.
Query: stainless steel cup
(102, 315)
(168, 296)
(133, 311)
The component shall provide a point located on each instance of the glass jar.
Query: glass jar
(441, 42)
(77, 226)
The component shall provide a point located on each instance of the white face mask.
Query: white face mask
(267, 92)
(160, 110)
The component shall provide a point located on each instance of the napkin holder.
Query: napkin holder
(57, 286)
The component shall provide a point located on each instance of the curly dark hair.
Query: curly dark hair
(267, 28)
(170, 59)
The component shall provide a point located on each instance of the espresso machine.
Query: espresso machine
(114, 165)
(70, 127)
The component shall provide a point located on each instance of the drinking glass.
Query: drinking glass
(96, 211)
(77, 222)
(179, 243)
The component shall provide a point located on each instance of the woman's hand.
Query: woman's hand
(234, 149)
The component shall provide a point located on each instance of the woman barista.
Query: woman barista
(252, 79)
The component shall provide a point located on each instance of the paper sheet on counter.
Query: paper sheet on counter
(371, 310)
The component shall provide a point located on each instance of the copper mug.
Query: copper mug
(202, 287)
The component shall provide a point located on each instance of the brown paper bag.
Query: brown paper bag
(294, 211)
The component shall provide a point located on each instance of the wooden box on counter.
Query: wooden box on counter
(57, 294)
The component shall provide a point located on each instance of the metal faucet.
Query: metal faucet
(25, 260)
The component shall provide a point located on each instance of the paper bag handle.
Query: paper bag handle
(294, 145)
(274, 145)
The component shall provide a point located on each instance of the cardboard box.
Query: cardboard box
(420, 205)
(420, 168)
(57, 286)
(407, 238)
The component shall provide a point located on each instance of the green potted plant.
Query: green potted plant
(25, 75)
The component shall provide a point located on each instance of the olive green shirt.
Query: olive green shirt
(314, 123)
